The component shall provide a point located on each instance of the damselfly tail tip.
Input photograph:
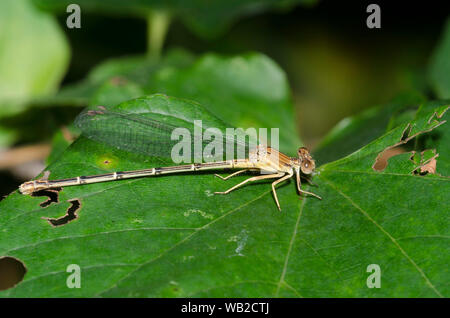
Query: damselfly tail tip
(27, 187)
(32, 186)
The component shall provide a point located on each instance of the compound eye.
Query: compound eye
(307, 166)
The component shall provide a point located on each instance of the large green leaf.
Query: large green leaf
(206, 18)
(170, 236)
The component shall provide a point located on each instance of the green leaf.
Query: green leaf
(205, 18)
(245, 91)
(169, 236)
(34, 55)
(439, 68)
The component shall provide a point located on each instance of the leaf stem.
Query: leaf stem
(158, 22)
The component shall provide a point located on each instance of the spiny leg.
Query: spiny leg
(275, 192)
(232, 175)
(310, 181)
(310, 193)
(303, 191)
(268, 176)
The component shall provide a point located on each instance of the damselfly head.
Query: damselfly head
(307, 163)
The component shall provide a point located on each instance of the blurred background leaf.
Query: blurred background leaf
(439, 69)
(137, 69)
(34, 56)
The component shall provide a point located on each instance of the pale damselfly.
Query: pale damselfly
(136, 133)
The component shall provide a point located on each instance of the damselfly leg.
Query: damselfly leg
(232, 175)
(275, 192)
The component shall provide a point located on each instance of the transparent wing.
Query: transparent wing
(127, 131)
(139, 134)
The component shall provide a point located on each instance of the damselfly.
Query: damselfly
(136, 133)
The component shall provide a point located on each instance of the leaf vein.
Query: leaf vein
(184, 240)
(291, 243)
(396, 244)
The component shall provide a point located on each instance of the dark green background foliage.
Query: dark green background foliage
(205, 18)
(170, 236)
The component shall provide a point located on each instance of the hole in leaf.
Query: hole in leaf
(429, 167)
(407, 143)
(52, 194)
(70, 215)
(406, 133)
(382, 160)
(12, 272)
(425, 161)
